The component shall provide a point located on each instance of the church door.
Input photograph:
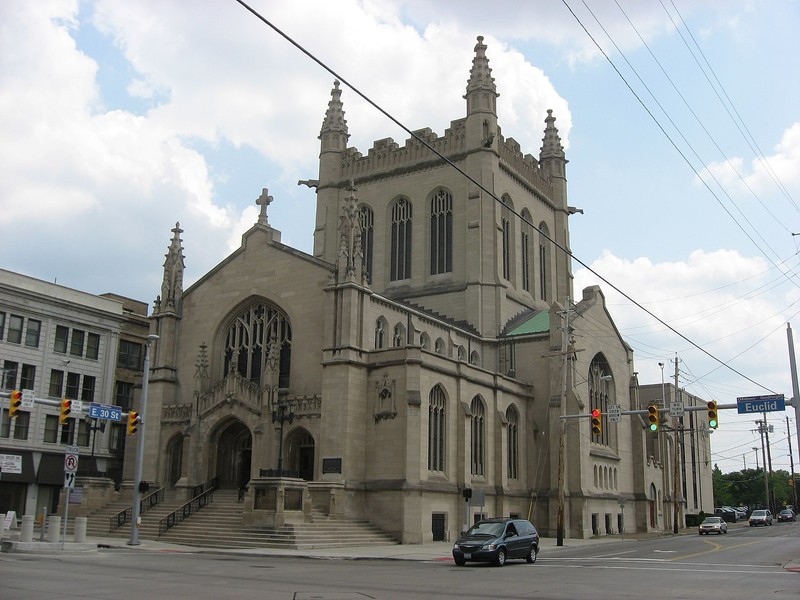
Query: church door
(234, 457)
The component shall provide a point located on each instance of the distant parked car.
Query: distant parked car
(727, 514)
(786, 515)
(713, 525)
(760, 517)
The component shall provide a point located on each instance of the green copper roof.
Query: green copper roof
(537, 323)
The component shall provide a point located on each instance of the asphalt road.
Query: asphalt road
(747, 564)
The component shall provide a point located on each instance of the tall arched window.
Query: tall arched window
(367, 238)
(526, 242)
(478, 442)
(259, 333)
(512, 451)
(380, 333)
(400, 267)
(441, 232)
(599, 381)
(544, 288)
(398, 336)
(436, 429)
(507, 244)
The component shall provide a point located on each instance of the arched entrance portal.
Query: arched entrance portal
(300, 447)
(234, 452)
(175, 459)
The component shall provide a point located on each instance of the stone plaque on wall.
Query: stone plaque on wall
(332, 465)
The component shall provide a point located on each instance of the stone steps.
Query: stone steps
(219, 525)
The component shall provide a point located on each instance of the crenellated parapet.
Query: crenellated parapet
(387, 155)
(524, 167)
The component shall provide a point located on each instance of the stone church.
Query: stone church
(414, 370)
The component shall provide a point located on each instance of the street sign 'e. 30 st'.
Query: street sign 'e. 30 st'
(759, 404)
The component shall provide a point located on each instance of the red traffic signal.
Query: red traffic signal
(597, 422)
(66, 409)
(16, 402)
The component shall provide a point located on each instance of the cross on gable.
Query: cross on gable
(263, 201)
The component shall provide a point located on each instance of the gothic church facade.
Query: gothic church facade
(429, 345)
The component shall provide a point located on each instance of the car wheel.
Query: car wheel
(531, 558)
(501, 558)
(460, 562)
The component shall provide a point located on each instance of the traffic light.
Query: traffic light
(66, 408)
(597, 422)
(713, 421)
(16, 401)
(652, 417)
(133, 422)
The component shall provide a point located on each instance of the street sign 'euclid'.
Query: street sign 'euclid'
(757, 404)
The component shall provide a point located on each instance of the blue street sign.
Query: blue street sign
(759, 404)
(103, 411)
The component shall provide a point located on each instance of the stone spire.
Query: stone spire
(551, 142)
(481, 93)
(172, 285)
(333, 134)
(351, 253)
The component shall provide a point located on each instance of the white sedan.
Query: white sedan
(713, 525)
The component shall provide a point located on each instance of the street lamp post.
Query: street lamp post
(137, 480)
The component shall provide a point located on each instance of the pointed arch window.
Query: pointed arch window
(367, 218)
(505, 223)
(398, 336)
(544, 288)
(400, 267)
(477, 441)
(441, 232)
(257, 334)
(599, 381)
(380, 333)
(525, 250)
(512, 450)
(436, 429)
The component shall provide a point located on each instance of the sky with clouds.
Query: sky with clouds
(679, 118)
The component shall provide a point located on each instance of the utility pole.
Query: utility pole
(761, 428)
(678, 437)
(795, 388)
(791, 462)
(755, 449)
(562, 429)
(770, 499)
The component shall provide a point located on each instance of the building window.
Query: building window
(505, 225)
(543, 260)
(513, 442)
(367, 239)
(15, 329)
(56, 388)
(2, 324)
(436, 429)
(76, 344)
(398, 336)
(525, 250)
(93, 346)
(400, 267)
(441, 233)
(260, 336)
(438, 347)
(68, 431)
(87, 390)
(129, 355)
(116, 440)
(599, 375)
(73, 386)
(83, 433)
(478, 441)
(10, 374)
(62, 334)
(123, 395)
(51, 429)
(5, 428)
(28, 378)
(380, 333)
(22, 425)
(32, 333)
(425, 341)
